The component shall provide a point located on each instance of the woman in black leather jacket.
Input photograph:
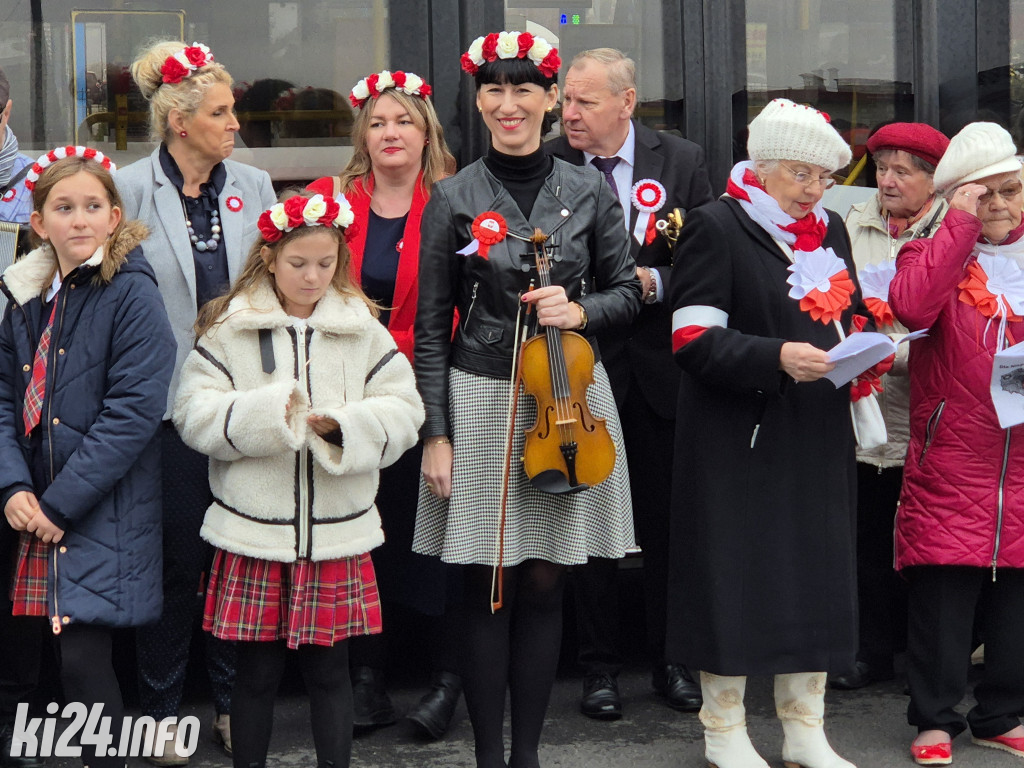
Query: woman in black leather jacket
(474, 259)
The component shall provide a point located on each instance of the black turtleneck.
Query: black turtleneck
(521, 175)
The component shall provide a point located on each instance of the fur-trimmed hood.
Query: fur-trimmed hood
(28, 277)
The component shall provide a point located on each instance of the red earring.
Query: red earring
(183, 134)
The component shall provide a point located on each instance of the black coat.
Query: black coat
(108, 370)
(763, 571)
(641, 354)
(590, 260)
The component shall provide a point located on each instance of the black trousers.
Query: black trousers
(942, 603)
(163, 647)
(881, 593)
(649, 446)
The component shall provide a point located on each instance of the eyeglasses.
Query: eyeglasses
(806, 179)
(1008, 192)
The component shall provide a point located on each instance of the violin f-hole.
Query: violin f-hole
(589, 427)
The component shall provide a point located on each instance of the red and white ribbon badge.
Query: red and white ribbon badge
(648, 198)
(234, 204)
(488, 228)
(9, 195)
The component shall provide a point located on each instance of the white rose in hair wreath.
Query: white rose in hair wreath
(412, 83)
(508, 45)
(278, 217)
(345, 216)
(385, 80)
(541, 48)
(476, 49)
(314, 210)
(361, 91)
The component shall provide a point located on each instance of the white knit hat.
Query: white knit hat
(979, 150)
(788, 131)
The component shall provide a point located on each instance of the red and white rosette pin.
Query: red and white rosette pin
(9, 195)
(234, 204)
(648, 198)
(488, 229)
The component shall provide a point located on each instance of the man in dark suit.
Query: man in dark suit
(652, 173)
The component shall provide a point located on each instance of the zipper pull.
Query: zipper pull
(753, 437)
(993, 570)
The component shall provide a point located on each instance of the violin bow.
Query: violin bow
(497, 573)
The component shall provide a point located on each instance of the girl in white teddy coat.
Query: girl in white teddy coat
(299, 396)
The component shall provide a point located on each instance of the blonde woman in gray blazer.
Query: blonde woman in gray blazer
(201, 209)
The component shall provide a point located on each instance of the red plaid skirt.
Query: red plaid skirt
(305, 602)
(30, 579)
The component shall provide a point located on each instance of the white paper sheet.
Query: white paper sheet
(860, 351)
(1008, 385)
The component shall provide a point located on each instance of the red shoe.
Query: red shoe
(932, 754)
(1005, 743)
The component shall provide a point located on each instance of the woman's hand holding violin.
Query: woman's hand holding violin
(554, 308)
(436, 465)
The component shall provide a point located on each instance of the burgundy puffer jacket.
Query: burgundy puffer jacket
(951, 511)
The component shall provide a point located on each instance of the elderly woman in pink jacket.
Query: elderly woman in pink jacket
(960, 525)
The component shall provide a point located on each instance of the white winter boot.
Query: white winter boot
(800, 705)
(726, 743)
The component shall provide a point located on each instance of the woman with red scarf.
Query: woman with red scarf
(763, 527)
(399, 153)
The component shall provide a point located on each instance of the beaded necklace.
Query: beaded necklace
(199, 243)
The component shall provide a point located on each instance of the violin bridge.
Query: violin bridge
(561, 422)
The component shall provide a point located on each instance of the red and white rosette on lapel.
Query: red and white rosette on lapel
(874, 285)
(489, 228)
(648, 197)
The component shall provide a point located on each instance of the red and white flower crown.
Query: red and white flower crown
(186, 62)
(374, 85)
(51, 157)
(512, 45)
(298, 211)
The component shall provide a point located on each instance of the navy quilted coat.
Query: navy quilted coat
(96, 468)
(951, 510)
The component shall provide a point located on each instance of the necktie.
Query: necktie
(36, 391)
(606, 165)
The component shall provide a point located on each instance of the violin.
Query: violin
(568, 449)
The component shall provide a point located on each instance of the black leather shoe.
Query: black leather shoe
(433, 714)
(371, 705)
(676, 684)
(861, 675)
(601, 697)
(6, 735)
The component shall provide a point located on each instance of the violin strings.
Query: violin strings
(559, 375)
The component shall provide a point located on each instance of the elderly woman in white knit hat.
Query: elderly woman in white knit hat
(960, 524)
(763, 524)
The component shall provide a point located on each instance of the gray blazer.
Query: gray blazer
(149, 195)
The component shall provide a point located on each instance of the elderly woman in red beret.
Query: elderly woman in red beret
(906, 207)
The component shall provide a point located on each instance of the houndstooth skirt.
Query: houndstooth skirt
(567, 529)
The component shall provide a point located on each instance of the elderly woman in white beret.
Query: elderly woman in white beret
(960, 523)
(763, 523)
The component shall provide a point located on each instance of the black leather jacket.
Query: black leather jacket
(590, 253)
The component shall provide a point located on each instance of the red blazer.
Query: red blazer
(403, 315)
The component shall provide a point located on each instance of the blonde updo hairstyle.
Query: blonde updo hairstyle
(185, 96)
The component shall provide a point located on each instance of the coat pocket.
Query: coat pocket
(931, 428)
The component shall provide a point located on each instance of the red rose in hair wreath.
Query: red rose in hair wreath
(173, 71)
(549, 67)
(525, 44)
(266, 227)
(294, 206)
(468, 65)
(490, 47)
(196, 56)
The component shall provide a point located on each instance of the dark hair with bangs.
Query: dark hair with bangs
(512, 72)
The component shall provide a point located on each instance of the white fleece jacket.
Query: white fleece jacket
(280, 491)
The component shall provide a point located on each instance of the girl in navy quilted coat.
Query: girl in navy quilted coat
(85, 361)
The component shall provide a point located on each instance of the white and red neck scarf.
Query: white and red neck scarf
(819, 278)
(994, 284)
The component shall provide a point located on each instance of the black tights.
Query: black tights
(516, 649)
(87, 675)
(325, 672)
